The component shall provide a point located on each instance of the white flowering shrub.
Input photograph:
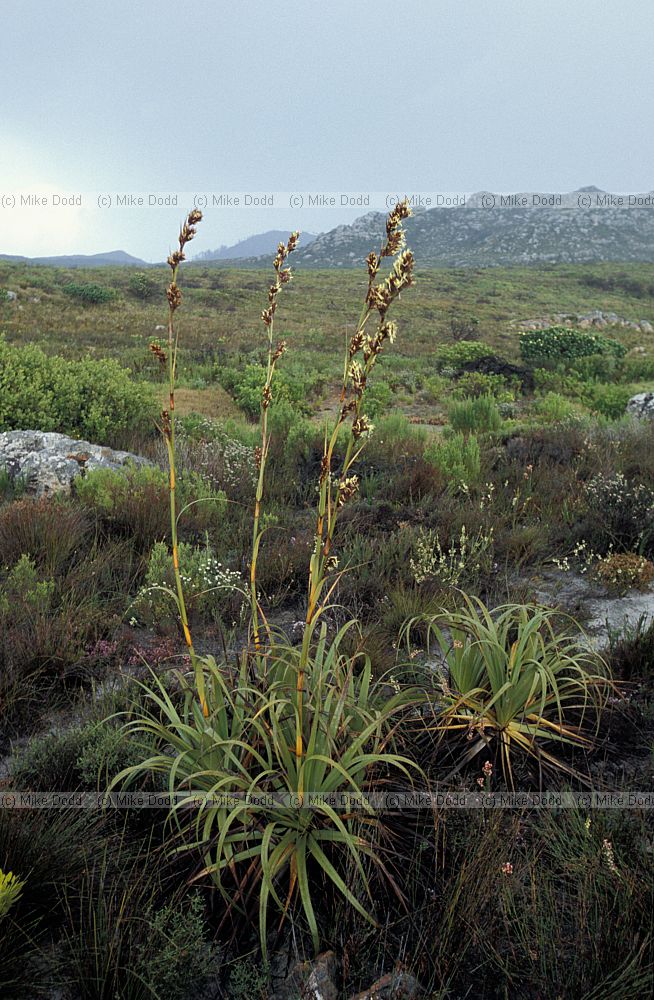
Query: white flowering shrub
(210, 588)
(619, 513)
(462, 560)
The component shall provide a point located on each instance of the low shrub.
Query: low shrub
(143, 286)
(82, 757)
(120, 942)
(11, 487)
(625, 571)
(618, 514)
(89, 293)
(293, 385)
(598, 367)
(631, 651)
(51, 531)
(478, 415)
(458, 458)
(610, 400)
(452, 356)
(471, 385)
(461, 563)
(378, 398)
(95, 400)
(559, 343)
(554, 408)
(134, 500)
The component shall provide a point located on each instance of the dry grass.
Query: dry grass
(213, 402)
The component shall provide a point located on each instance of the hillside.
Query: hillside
(471, 235)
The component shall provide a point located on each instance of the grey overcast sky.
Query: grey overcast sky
(116, 97)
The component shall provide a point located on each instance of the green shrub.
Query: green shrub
(88, 293)
(118, 943)
(293, 385)
(174, 958)
(457, 457)
(378, 398)
(558, 343)
(143, 286)
(610, 400)
(553, 408)
(474, 415)
(470, 385)
(11, 487)
(598, 367)
(89, 399)
(565, 383)
(134, 500)
(81, 757)
(637, 369)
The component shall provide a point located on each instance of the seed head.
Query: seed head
(267, 314)
(356, 343)
(165, 424)
(160, 354)
(346, 489)
(361, 426)
(175, 258)
(358, 377)
(372, 260)
(279, 350)
(174, 296)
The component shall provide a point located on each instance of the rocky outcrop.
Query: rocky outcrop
(642, 405)
(49, 462)
(585, 321)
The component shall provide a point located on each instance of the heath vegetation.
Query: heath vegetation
(359, 566)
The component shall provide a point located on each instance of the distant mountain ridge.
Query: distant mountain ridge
(474, 235)
(113, 258)
(252, 246)
(591, 225)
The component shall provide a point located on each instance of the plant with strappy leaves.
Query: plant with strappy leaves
(513, 680)
(267, 822)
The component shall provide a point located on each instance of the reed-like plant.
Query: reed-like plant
(511, 678)
(292, 726)
(167, 428)
(335, 490)
(282, 277)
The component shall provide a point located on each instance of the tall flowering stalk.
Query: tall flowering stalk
(336, 489)
(186, 234)
(282, 277)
